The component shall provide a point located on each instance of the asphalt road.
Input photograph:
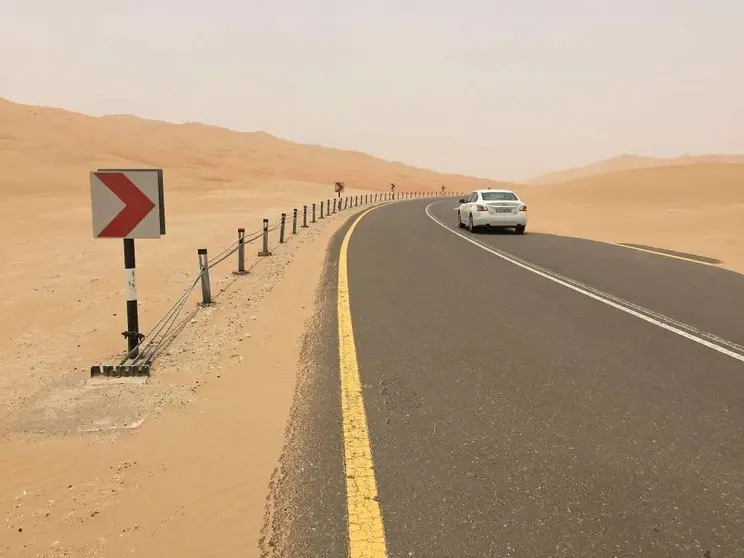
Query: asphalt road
(558, 397)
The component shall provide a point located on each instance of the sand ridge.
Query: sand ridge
(631, 162)
(696, 208)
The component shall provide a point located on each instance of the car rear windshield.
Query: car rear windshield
(499, 196)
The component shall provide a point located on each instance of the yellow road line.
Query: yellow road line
(666, 255)
(366, 532)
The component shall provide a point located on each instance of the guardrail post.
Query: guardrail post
(265, 251)
(321, 209)
(313, 213)
(304, 217)
(241, 252)
(334, 205)
(346, 202)
(294, 221)
(328, 207)
(281, 229)
(204, 269)
(366, 197)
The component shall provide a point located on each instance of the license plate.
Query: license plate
(501, 209)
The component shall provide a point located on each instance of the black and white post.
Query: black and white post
(294, 221)
(132, 333)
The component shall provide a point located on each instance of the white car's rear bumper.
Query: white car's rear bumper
(481, 219)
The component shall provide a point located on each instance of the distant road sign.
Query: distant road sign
(127, 203)
(339, 187)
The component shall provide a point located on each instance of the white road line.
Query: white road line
(659, 320)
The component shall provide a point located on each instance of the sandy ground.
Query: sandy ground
(181, 464)
(192, 479)
(76, 283)
(696, 209)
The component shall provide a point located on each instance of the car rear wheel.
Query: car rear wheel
(460, 224)
(520, 229)
(471, 227)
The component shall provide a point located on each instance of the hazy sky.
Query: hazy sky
(486, 87)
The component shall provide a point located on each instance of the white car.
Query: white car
(492, 209)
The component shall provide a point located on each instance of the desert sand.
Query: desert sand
(630, 162)
(696, 209)
(129, 469)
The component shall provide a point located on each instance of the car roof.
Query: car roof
(492, 190)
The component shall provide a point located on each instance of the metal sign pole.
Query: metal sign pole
(132, 334)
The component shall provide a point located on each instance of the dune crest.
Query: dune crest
(45, 149)
(689, 208)
(629, 162)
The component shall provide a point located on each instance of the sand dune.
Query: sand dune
(629, 162)
(45, 150)
(689, 208)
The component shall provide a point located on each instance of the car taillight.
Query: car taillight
(480, 207)
(523, 208)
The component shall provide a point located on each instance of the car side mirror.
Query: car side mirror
(462, 200)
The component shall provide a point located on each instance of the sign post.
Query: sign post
(339, 188)
(128, 204)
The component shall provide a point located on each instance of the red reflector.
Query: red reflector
(481, 207)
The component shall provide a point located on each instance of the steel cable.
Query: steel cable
(150, 343)
(148, 351)
(226, 250)
(173, 312)
(214, 262)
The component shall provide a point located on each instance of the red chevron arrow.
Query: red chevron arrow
(136, 205)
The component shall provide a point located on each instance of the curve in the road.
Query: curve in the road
(728, 348)
(510, 415)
